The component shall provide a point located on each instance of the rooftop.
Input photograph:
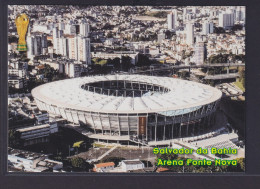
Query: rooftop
(182, 95)
(107, 164)
(132, 162)
(33, 128)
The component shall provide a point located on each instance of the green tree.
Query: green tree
(80, 164)
(242, 76)
(241, 163)
(14, 138)
(116, 63)
(219, 30)
(126, 63)
(143, 60)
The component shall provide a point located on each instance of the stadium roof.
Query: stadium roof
(183, 96)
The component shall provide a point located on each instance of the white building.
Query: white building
(58, 41)
(79, 49)
(32, 162)
(84, 29)
(207, 27)
(171, 21)
(189, 34)
(17, 72)
(17, 83)
(63, 48)
(84, 50)
(42, 117)
(36, 45)
(73, 69)
(240, 14)
(129, 165)
(226, 19)
(199, 56)
(70, 29)
(37, 134)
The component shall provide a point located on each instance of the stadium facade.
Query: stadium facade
(127, 106)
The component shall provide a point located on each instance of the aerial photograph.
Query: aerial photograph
(126, 89)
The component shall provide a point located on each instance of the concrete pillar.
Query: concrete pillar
(155, 133)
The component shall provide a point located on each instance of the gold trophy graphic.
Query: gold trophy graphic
(22, 22)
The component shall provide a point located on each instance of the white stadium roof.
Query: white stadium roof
(183, 96)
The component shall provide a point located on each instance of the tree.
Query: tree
(126, 63)
(80, 164)
(242, 76)
(14, 138)
(116, 63)
(143, 60)
(237, 27)
(241, 163)
(219, 30)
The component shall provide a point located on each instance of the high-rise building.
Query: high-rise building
(84, 53)
(84, 28)
(200, 53)
(226, 19)
(175, 12)
(79, 49)
(63, 48)
(57, 44)
(36, 44)
(70, 29)
(189, 34)
(207, 27)
(61, 26)
(240, 14)
(55, 38)
(73, 45)
(171, 21)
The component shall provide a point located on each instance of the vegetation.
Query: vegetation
(80, 164)
(48, 72)
(14, 139)
(219, 30)
(144, 60)
(237, 27)
(99, 61)
(241, 80)
(223, 58)
(126, 63)
(12, 39)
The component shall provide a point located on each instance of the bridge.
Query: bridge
(222, 76)
(167, 67)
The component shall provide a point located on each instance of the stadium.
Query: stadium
(122, 107)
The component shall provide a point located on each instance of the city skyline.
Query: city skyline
(125, 78)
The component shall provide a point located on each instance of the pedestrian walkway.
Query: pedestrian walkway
(106, 153)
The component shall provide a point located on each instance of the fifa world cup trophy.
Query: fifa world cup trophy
(22, 22)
